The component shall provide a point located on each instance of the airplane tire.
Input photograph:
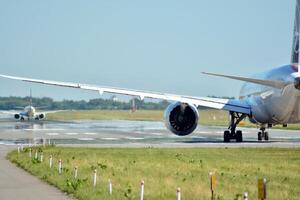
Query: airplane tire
(259, 136)
(226, 136)
(239, 136)
(266, 136)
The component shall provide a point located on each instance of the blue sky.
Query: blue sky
(150, 45)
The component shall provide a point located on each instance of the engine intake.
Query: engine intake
(41, 116)
(17, 116)
(181, 118)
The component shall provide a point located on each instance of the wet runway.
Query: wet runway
(130, 134)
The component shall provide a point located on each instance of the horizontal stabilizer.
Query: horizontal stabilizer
(270, 83)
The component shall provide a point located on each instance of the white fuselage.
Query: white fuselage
(270, 105)
(29, 111)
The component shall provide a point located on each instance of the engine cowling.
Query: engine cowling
(181, 118)
(17, 116)
(40, 116)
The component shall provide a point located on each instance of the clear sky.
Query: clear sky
(156, 45)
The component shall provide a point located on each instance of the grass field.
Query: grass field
(163, 170)
(207, 117)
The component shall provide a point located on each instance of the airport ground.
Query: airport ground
(176, 161)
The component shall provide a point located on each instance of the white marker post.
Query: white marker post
(142, 189)
(59, 166)
(75, 172)
(178, 194)
(50, 161)
(36, 155)
(22, 148)
(95, 178)
(30, 152)
(110, 187)
(41, 157)
(245, 196)
(19, 149)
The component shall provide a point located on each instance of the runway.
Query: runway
(130, 134)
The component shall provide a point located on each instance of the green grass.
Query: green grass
(209, 117)
(164, 170)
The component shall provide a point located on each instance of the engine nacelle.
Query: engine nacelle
(40, 116)
(17, 116)
(181, 118)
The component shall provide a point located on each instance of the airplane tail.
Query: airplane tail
(295, 49)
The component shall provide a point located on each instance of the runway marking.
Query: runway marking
(71, 133)
(90, 133)
(86, 139)
(156, 133)
(203, 132)
(110, 138)
(198, 137)
(286, 137)
(42, 129)
(134, 138)
(52, 134)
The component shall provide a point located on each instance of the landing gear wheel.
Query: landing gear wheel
(263, 135)
(266, 136)
(259, 136)
(231, 133)
(226, 136)
(239, 136)
(22, 119)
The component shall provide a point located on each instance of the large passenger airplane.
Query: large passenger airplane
(28, 112)
(270, 98)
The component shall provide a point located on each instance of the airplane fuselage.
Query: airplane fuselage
(29, 111)
(270, 105)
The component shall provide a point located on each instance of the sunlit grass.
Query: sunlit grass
(166, 169)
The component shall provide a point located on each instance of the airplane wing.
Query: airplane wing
(51, 111)
(8, 112)
(222, 104)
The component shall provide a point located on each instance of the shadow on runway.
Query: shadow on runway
(211, 141)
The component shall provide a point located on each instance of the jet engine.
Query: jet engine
(40, 116)
(181, 118)
(17, 116)
(297, 83)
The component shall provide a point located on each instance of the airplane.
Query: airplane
(267, 99)
(29, 112)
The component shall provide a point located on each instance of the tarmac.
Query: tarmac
(16, 184)
(132, 134)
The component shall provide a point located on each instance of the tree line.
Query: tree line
(46, 103)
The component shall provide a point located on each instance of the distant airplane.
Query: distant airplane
(270, 98)
(28, 113)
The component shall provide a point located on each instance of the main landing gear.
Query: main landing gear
(263, 135)
(232, 133)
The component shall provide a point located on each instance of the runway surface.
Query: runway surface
(130, 134)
